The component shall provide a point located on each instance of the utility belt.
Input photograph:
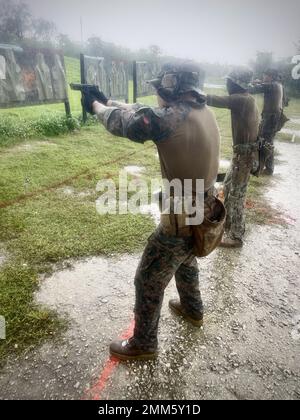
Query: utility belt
(243, 149)
(175, 224)
(206, 236)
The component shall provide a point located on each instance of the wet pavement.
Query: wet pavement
(291, 131)
(249, 347)
(295, 133)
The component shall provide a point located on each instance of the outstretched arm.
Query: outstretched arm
(219, 101)
(259, 88)
(123, 105)
(141, 125)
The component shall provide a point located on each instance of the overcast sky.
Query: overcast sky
(227, 31)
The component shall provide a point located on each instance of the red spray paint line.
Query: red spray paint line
(110, 366)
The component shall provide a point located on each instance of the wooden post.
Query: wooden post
(127, 67)
(83, 81)
(134, 78)
(68, 108)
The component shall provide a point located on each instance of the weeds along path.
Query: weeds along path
(86, 173)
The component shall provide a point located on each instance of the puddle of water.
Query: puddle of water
(290, 131)
(213, 86)
(134, 170)
(295, 120)
(286, 195)
(225, 164)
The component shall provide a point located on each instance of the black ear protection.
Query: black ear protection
(173, 84)
(169, 86)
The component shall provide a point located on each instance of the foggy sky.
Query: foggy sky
(212, 30)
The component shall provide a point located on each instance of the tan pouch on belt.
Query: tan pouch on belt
(207, 236)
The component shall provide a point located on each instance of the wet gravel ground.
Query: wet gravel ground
(249, 347)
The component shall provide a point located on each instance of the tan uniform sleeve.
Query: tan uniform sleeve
(260, 88)
(221, 101)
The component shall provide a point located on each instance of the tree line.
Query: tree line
(18, 25)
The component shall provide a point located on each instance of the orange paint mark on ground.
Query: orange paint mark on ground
(94, 393)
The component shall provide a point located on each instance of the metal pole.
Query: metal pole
(134, 78)
(127, 83)
(82, 76)
(81, 30)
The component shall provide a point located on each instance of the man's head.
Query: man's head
(238, 81)
(177, 80)
(270, 75)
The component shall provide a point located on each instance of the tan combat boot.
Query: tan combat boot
(129, 350)
(176, 307)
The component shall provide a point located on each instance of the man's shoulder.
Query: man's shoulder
(169, 113)
(240, 98)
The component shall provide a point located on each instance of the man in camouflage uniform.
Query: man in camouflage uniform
(187, 138)
(245, 121)
(273, 92)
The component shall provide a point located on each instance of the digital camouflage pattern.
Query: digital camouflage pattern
(181, 132)
(145, 123)
(169, 252)
(164, 257)
(245, 125)
(267, 132)
(273, 105)
(235, 190)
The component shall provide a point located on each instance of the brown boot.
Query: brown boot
(176, 307)
(231, 243)
(129, 350)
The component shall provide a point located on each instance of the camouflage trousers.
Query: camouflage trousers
(235, 191)
(267, 131)
(164, 257)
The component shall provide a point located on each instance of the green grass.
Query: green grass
(47, 209)
(26, 323)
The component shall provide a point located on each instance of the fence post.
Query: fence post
(134, 78)
(82, 77)
(67, 108)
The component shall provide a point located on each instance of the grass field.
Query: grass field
(47, 208)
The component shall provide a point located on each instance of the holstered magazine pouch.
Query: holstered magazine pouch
(208, 235)
(282, 120)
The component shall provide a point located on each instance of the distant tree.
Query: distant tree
(95, 46)
(15, 21)
(43, 30)
(69, 47)
(155, 50)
